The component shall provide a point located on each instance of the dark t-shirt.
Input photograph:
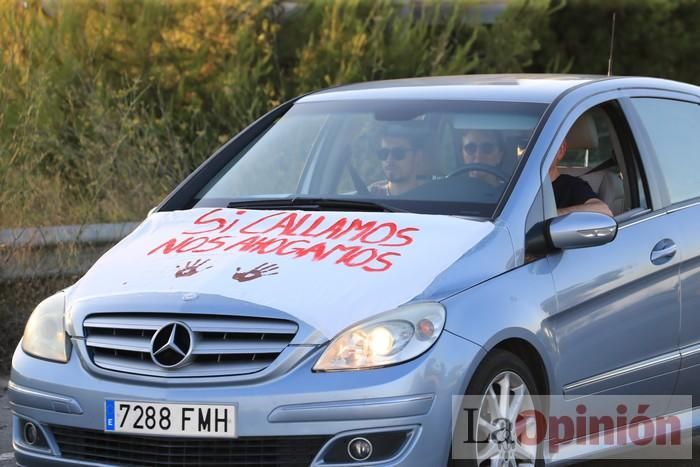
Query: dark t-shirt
(571, 191)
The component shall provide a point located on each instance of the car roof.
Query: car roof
(511, 87)
(541, 88)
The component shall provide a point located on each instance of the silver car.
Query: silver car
(328, 285)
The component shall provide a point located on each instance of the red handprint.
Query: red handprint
(262, 270)
(190, 269)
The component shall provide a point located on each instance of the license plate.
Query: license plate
(193, 420)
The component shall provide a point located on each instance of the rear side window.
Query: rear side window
(674, 129)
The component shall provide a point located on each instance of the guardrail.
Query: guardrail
(68, 250)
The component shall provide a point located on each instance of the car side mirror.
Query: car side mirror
(581, 230)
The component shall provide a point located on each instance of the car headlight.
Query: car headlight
(45, 334)
(393, 337)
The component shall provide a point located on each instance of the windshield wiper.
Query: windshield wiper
(314, 204)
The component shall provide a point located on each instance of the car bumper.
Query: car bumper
(415, 396)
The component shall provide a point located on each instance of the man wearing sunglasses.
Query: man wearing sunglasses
(399, 156)
(483, 147)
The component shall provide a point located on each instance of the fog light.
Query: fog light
(31, 433)
(360, 449)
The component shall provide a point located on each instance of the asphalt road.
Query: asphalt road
(7, 458)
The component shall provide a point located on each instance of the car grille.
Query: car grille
(222, 345)
(118, 449)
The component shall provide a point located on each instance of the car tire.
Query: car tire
(499, 369)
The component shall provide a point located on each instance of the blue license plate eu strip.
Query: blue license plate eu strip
(109, 416)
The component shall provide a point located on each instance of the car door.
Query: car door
(670, 126)
(618, 304)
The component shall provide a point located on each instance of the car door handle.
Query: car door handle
(663, 251)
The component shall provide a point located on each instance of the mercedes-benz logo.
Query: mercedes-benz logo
(171, 346)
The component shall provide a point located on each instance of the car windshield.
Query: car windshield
(443, 157)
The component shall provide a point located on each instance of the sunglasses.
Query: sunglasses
(486, 148)
(398, 153)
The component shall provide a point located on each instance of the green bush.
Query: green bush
(652, 37)
(106, 106)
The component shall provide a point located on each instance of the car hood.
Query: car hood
(327, 269)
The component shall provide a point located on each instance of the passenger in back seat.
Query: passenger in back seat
(572, 193)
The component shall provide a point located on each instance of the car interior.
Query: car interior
(595, 154)
(599, 151)
(441, 153)
(594, 161)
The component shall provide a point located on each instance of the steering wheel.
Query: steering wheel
(479, 168)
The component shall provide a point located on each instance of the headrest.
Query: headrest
(583, 134)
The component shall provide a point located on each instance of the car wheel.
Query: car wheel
(504, 387)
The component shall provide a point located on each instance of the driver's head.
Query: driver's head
(399, 158)
(482, 147)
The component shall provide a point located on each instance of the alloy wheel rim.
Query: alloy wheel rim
(506, 397)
